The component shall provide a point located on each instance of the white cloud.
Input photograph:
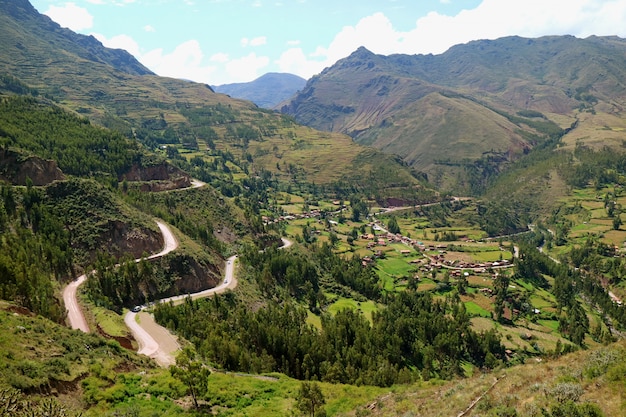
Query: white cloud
(246, 68)
(149, 28)
(295, 61)
(184, 62)
(119, 42)
(187, 61)
(220, 57)
(70, 16)
(435, 33)
(258, 41)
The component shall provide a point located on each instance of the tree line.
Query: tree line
(414, 337)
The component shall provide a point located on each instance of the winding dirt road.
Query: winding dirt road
(154, 340)
(75, 315)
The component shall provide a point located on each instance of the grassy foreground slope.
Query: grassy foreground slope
(87, 373)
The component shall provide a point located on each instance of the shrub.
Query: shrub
(566, 391)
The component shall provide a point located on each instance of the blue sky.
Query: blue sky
(225, 41)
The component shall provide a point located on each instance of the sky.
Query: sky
(226, 41)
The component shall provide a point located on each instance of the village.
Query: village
(434, 255)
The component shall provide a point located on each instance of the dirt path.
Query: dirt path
(75, 315)
(156, 341)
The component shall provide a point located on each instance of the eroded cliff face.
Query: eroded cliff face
(124, 239)
(161, 177)
(190, 274)
(177, 273)
(15, 168)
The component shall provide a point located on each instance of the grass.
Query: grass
(367, 307)
(313, 319)
(274, 395)
(526, 388)
(550, 324)
(475, 310)
(109, 322)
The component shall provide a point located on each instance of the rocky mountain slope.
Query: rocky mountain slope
(486, 98)
(266, 91)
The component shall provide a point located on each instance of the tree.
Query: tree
(191, 372)
(617, 221)
(310, 399)
(392, 226)
(461, 284)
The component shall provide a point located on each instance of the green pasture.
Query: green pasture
(474, 309)
(365, 307)
(550, 324)
(426, 284)
(390, 269)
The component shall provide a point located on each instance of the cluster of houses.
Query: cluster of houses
(288, 217)
(431, 261)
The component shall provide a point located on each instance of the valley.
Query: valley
(411, 235)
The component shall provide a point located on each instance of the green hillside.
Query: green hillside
(486, 99)
(387, 296)
(112, 89)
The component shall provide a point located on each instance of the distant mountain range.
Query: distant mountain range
(267, 91)
(493, 99)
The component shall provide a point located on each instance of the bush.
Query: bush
(566, 391)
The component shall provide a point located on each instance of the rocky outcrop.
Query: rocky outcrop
(124, 239)
(16, 168)
(161, 177)
(174, 184)
(185, 275)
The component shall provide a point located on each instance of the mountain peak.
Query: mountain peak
(266, 91)
(20, 17)
(17, 8)
(362, 52)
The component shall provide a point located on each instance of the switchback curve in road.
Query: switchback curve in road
(154, 340)
(75, 315)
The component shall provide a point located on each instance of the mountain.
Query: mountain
(112, 89)
(266, 91)
(17, 49)
(486, 99)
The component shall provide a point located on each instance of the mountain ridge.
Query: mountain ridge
(89, 47)
(265, 91)
(161, 111)
(430, 108)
